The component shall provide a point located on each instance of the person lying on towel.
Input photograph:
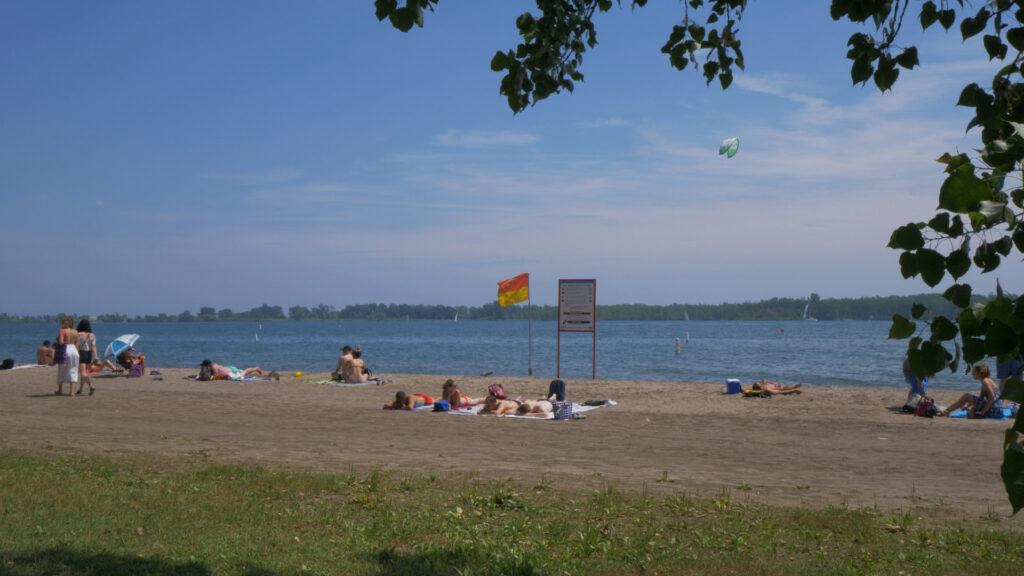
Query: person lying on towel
(537, 408)
(403, 401)
(498, 407)
(776, 388)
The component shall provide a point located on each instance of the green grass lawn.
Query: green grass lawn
(77, 515)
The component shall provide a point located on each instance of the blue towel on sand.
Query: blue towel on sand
(963, 414)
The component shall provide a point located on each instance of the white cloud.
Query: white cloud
(473, 139)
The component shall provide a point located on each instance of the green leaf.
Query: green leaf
(1013, 390)
(968, 95)
(947, 18)
(908, 58)
(931, 265)
(501, 60)
(725, 78)
(999, 310)
(974, 349)
(886, 74)
(1015, 36)
(969, 324)
(901, 328)
(933, 356)
(986, 258)
(862, 69)
(963, 192)
(943, 329)
(940, 223)
(908, 265)
(959, 295)
(917, 310)
(972, 26)
(1012, 472)
(907, 237)
(929, 14)
(385, 8)
(1000, 339)
(994, 46)
(958, 263)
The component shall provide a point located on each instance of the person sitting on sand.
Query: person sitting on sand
(44, 354)
(537, 408)
(451, 394)
(918, 386)
(343, 361)
(498, 407)
(209, 370)
(355, 369)
(776, 388)
(129, 358)
(985, 405)
(403, 401)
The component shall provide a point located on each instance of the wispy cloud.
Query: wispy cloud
(473, 139)
(254, 178)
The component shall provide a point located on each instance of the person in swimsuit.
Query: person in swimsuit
(776, 388)
(342, 367)
(403, 401)
(537, 408)
(129, 357)
(451, 394)
(498, 407)
(66, 356)
(44, 354)
(86, 353)
(220, 372)
(984, 405)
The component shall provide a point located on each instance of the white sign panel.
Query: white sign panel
(577, 305)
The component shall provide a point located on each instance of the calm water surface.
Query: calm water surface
(823, 353)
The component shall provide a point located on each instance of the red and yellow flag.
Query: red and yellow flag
(514, 290)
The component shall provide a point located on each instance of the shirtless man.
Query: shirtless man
(775, 388)
(343, 360)
(44, 354)
(498, 407)
(403, 401)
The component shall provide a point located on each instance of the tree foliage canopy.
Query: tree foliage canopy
(978, 223)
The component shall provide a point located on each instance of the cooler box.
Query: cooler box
(733, 386)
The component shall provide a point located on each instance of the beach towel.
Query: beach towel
(346, 384)
(416, 409)
(1007, 413)
(576, 409)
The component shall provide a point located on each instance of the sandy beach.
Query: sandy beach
(828, 446)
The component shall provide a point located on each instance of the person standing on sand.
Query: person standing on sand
(66, 356)
(86, 353)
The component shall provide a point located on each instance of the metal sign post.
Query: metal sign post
(577, 312)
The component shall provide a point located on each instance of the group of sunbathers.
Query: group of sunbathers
(490, 404)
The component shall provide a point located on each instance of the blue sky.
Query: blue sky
(162, 156)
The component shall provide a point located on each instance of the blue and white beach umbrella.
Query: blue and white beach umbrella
(120, 344)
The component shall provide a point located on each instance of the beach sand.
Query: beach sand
(830, 446)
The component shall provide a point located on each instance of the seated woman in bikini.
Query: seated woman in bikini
(403, 401)
(451, 394)
(498, 407)
(776, 388)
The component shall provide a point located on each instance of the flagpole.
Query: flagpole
(529, 332)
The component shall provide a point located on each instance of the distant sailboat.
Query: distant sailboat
(257, 336)
(456, 316)
(806, 317)
(686, 316)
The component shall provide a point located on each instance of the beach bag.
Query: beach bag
(135, 371)
(442, 406)
(497, 391)
(926, 407)
(911, 406)
(60, 352)
(562, 410)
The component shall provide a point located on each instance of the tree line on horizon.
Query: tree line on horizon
(865, 308)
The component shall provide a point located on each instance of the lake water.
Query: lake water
(822, 353)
